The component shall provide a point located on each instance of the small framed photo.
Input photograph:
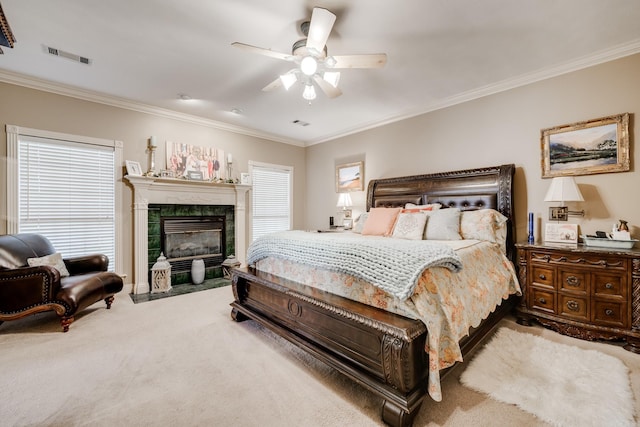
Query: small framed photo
(245, 179)
(133, 168)
(350, 177)
(167, 173)
(195, 175)
(561, 233)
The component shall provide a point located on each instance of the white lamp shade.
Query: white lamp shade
(563, 189)
(344, 200)
(309, 93)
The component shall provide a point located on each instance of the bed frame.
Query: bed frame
(381, 351)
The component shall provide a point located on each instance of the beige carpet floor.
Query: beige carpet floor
(182, 361)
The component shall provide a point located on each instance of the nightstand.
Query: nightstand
(582, 291)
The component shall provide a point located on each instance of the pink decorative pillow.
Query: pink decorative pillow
(380, 221)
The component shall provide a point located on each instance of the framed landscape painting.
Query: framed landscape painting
(350, 177)
(585, 148)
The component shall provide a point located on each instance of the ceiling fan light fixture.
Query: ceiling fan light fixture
(331, 77)
(288, 80)
(309, 93)
(309, 65)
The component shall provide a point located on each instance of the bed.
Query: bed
(385, 350)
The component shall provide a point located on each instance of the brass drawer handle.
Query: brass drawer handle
(542, 277)
(573, 305)
(608, 312)
(573, 281)
(542, 301)
(608, 286)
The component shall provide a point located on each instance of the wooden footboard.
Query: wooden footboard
(382, 351)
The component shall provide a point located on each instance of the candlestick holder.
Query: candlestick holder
(151, 150)
(229, 172)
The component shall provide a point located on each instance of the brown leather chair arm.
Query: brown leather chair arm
(87, 264)
(22, 288)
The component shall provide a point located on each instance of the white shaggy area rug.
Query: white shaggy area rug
(560, 384)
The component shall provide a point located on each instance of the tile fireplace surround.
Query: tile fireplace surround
(147, 190)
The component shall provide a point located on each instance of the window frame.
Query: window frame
(13, 181)
(287, 169)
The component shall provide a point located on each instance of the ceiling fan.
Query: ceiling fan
(313, 64)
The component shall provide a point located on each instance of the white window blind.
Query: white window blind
(66, 191)
(271, 202)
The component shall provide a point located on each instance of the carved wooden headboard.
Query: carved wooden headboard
(483, 188)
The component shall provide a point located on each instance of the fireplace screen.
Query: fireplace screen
(187, 238)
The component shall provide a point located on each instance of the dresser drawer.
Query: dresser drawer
(543, 276)
(575, 281)
(610, 285)
(610, 313)
(573, 307)
(542, 299)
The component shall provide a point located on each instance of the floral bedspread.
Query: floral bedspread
(448, 303)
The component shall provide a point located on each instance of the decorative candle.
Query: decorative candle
(152, 141)
(531, 239)
(229, 158)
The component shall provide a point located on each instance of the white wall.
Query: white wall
(497, 129)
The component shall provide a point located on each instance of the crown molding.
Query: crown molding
(101, 98)
(601, 57)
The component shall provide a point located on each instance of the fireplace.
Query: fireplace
(157, 192)
(187, 238)
(187, 232)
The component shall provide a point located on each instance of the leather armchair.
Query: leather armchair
(25, 290)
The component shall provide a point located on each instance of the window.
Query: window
(64, 187)
(272, 198)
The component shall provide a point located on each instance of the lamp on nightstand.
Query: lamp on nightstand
(344, 202)
(563, 189)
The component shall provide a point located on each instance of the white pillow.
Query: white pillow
(410, 226)
(357, 227)
(54, 260)
(443, 224)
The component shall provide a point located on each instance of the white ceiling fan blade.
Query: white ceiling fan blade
(328, 89)
(319, 29)
(262, 51)
(374, 60)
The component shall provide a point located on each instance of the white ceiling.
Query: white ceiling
(440, 52)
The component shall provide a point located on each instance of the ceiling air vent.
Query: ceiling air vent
(300, 123)
(68, 55)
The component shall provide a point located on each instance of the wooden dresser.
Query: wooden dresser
(584, 292)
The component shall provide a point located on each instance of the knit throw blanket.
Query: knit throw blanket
(393, 265)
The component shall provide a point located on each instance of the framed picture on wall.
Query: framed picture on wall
(350, 177)
(585, 148)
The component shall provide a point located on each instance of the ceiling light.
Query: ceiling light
(309, 93)
(332, 77)
(288, 80)
(184, 97)
(308, 65)
(236, 110)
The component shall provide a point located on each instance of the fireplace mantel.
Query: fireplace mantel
(148, 190)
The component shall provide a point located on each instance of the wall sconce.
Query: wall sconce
(563, 189)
